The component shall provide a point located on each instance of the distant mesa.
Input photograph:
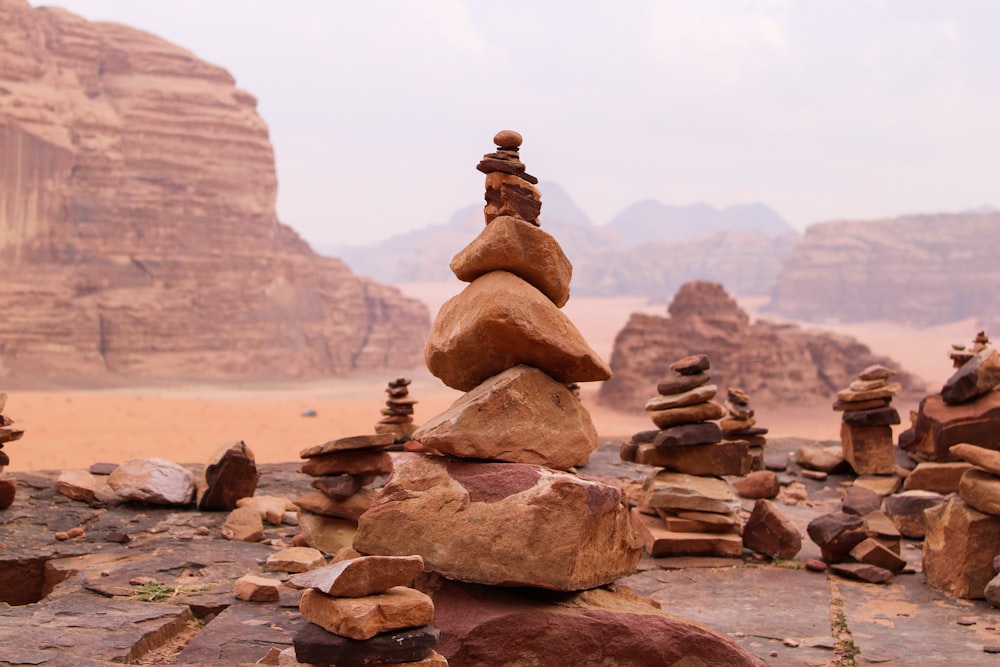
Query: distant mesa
(138, 235)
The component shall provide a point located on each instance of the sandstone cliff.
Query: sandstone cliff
(921, 270)
(774, 363)
(138, 234)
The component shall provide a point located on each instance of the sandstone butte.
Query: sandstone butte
(138, 234)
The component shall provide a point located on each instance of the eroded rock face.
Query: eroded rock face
(775, 363)
(138, 234)
(939, 426)
(560, 532)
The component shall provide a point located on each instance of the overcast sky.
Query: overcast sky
(822, 109)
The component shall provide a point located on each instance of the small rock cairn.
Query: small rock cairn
(397, 415)
(501, 507)
(866, 428)
(685, 508)
(741, 424)
(960, 354)
(8, 433)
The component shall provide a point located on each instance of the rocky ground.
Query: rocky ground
(77, 601)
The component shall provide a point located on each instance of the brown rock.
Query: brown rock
(471, 522)
(757, 485)
(510, 244)
(825, 459)
(681, 383)
(365, 617)
(868, 449)
(987, 459)
(883, 485)
(153, 480)
(865, 385)
(660, 541)
(77, 485)
(700, 394)
(326, 533)
(341, 486)
(510, 195)
(978, 376)
(257, 589)
(686, 435)
(8, 490)
(507, 139)
(687, 414)
(243, 525)
(959, 548)
(691, 365)
(770, 533)
(851, 396)
(938, 477)
(522, 416)
(230, 474)
(726, 458)
(361, 576)
(871, 552)
(350, 508)
(348, 443)
(860, 501)
(907, 511)
(981, 490)
(880, 416)
(315, 646)
(295, 559)
(842, 406)
(836, 534)
(875, 372)
(677, 491)
(499, 321)
(816, 565)
(872, 574)
(938, 426)
(351, 462)
(270, 508)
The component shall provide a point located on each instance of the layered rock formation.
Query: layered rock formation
(921, 270)
(773, 362)
(138, 234)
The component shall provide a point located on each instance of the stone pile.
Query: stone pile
(346, 470)
(859, 546)
(8, 433)
(397, 415)
(866, 427)
(960, 354)
(740, 424)
(362, 611)
(685, 508)
(501, 508)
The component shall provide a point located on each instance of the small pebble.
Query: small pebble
(141, 581)
(774, 654)
(815, 565)
(790, 643)
(105, 573)
(966, 621)
(75, 532)
(62, 536)
(202, 530)
(299, 541)
(185, 536)
(290, 518)
(508, 139)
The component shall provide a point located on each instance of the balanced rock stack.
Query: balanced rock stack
(8, 433)
(346, 470)
(685, 508)
(499, 508)
(866, 427)
(960, 354)
(740, 424)
(361, 611)
(397, 415)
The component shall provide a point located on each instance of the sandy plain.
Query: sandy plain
(73, 429)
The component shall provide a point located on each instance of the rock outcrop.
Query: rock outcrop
(775, 363)
(138, 234)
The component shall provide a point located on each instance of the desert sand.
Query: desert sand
(73, 429)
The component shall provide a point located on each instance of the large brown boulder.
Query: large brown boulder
(484, 626)
(938, 426)
(520, 416)
(507, 524)
(977, 376)
(499, 321)
(140, 237)
(959, 548)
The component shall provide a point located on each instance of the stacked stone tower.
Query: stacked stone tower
(866, 428)
(397, 415)
(8, 433)
(499, 507)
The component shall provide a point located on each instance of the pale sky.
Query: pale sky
(822, 109)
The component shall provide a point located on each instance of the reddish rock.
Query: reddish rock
(326, 533)
(770, 533)
(257, 589)
(981, 457)
(907, 511)
(349, 443)
(660, 540)
(724, 458)
(683, 435)
(77, 485)
(681, 383)
(351, 462)
(508, 139)
(880, 416)
(350, 508)
(511, 195)
(860, 501)
(873, 574)
(315, 646)
(872, 552)
(364, 617)
(816, 565)
(341, 486)
(976, 377)
(937, 477)
(959, 548)
(230, 474)
(694, 364)
(243, 525)
(361, 575)
(836, 534)
(153, 480)
(8, 490)
(686, 414)
(938, 426)
(868, 449)
(758, 485)
(981, 490)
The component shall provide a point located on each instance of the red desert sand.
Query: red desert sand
(72, 429)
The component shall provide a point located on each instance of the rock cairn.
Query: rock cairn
(347, 472)
(685, 508)
(500, 508)
(361, 611)
(739, 423)
(960, 354)
(397, 415)
(8, 433)
(866, 427)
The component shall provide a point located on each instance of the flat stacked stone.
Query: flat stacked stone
(504, 508)
(397, 415)
(740, 424)
(8, 433)
(868, 418)
(362, 611)
(960, 354)
(347, 470)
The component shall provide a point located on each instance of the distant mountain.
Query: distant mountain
(650, 220)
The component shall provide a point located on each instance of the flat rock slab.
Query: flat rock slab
(242, 634)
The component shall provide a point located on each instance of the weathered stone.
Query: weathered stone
(8, 490)
(860, 501)
(687, 414)
(826, 459)
(153, 480)
(938, 426)
(757, 485)
(315, 646)
(987, 459)
(979, 376)
(868, 449)
(364, 617)
(243, 525)
(348, 443)
(938, 477)
(907, 511)
(341, 486)
(361, 576)
(509, 244)
(872, 552)
(876, 372)
(981, 490)
(510, 195)
(350, 508)
(660, 541)
(230, 474)
(252, 588)
(326, 533)
(678, 524)
(866, 385)
(770, 533)
(872, 574)
(691, 365)
(678, 491)
(851, 396)
(77, 485)
(684, 435)
(725, 458)
(295, 559)
(881, 416)
(681, 383)
(884, 485)
(499, 321)
(508, 139)
(351, 462)
(471, 522)
(836, 534)
(700, 394)
(521, 416)
(959, 548)
(270, 508)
